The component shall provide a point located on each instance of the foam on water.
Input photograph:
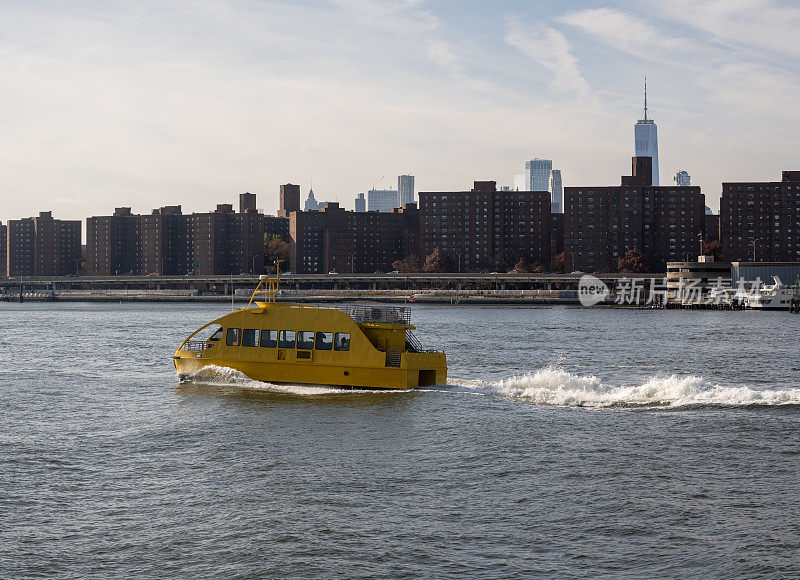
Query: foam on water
(556, 386)
(227, 377)
(551, 386)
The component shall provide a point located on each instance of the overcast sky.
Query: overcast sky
(148, 103)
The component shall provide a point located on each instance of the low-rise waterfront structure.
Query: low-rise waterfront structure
(692, 282)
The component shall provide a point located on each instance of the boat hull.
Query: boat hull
(416, 369)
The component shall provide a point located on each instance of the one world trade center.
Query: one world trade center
(646, 138)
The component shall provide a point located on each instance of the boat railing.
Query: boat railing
(377, 314)
(195, 345)
(412, 343)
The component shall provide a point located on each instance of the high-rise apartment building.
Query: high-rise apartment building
(760, 221)
(247, 202)
(556, 192)
(43, 246)
(335, 240)
(405, 189)
(220, 242)
(645, 134)
(290, 199)
(361, 203)
(537, 174)
(383, 200)
(602, 223)
(485, 228)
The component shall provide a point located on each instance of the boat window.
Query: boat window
(342, 341)
(286, 339)
(216, 336)
(324, 341)
(249, 337)
(269, 338)
(305, 340)
(232, 336)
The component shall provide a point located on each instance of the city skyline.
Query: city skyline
(143, 105)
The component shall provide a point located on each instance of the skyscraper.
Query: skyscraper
(645, 134)
(556, 192)
(361, 203)
(537, 174)
(384, 200)
(405, 189)
(311, 203)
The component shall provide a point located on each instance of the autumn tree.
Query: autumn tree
(557, 263)
(408, 264)
(523, 266)
(713, 248)
(634, 261)
(436, 262)
(275, 248)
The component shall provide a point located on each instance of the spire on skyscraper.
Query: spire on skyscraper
(645, 98)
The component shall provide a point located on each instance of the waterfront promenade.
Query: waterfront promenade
(423, 287)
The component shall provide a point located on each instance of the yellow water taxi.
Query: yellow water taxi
(348, 346)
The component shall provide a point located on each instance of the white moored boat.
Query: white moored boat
(775, 297)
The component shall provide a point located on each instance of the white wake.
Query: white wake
(555, 386)
(227, 377)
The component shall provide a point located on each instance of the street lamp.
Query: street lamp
(754, 247)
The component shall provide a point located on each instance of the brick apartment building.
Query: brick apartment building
(168, 242)
(43, 246)
(290, 200)
(603, 223)
(335, 240)
(760, 221)
(484, 228)
(711, 229)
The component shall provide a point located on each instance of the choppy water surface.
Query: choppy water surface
(569, 443)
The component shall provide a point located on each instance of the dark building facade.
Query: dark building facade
(220, 242)
(335, 240)
(290, 200)
(43, 246)
(3, 241)
(225, 242)
(760, 221)
(485, 228)
(603, 223)
(125, 243)
(247, 202)
(276, 226)
(711, 229)
(556, 233)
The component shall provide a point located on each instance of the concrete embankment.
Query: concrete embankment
(305, 296)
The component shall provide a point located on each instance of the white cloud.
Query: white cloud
(550, 49)
(763, 24)
(750, 87)
(406, 18)
(626, 32)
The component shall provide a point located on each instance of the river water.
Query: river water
(568, 443)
